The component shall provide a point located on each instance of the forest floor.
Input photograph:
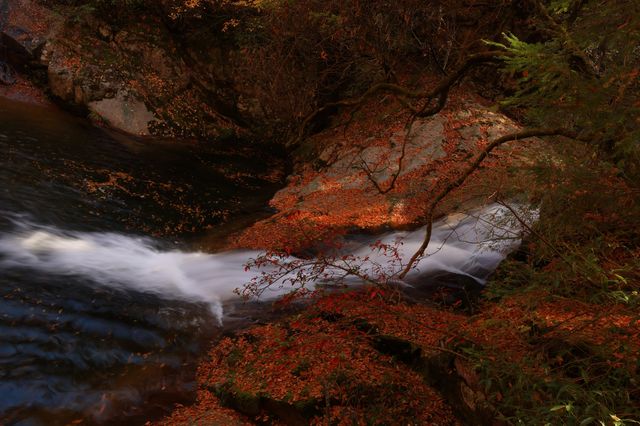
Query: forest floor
(365, 358)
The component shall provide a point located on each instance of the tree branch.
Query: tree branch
(473, 166)
(441, 92)
(403, 151)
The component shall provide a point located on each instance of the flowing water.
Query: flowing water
(105, 303)
(82, 334)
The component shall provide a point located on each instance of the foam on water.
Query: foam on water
(464, 244)
(470, 244)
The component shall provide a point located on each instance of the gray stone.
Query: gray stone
(125, 113)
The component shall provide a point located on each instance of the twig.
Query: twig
(473, 166)
(440, 92)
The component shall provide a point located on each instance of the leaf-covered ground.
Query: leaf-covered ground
(365, 358)
(321, 366)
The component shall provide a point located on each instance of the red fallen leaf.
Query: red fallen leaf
(333, 363)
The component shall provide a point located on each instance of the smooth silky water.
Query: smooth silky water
(104, 306)
(83, 331)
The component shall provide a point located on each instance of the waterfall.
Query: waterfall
(469, 244)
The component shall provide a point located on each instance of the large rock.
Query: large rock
(124, 112)
(129, 77)
(374, 174)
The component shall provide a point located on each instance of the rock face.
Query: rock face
(125, 113)
(38, 38)
(25, 28)
(374, 174)
(133, 78)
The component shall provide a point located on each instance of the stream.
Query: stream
(107, 301)
(81, 334)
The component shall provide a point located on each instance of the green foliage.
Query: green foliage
(585, 247)
(582, 72)
(560, 6)
(559, 383)
(586, 243)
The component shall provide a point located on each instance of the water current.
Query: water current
(106, 302)
(84, 217)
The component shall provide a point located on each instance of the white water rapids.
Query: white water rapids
(470, 244)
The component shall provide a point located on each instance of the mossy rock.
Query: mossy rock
(256, 405)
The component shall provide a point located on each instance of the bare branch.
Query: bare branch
(395, 175)
(473, 166)
(440, 92)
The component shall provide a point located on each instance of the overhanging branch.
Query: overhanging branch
(473, 166)
(405, 95)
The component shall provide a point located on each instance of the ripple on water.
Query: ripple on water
(72, 349)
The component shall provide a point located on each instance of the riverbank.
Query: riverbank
(25, 91)
(363, 358)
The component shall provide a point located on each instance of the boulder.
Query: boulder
(60, 79)
(127, 76)
(124, 112)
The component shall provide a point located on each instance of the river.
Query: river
(106, 299)
(81, 344)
